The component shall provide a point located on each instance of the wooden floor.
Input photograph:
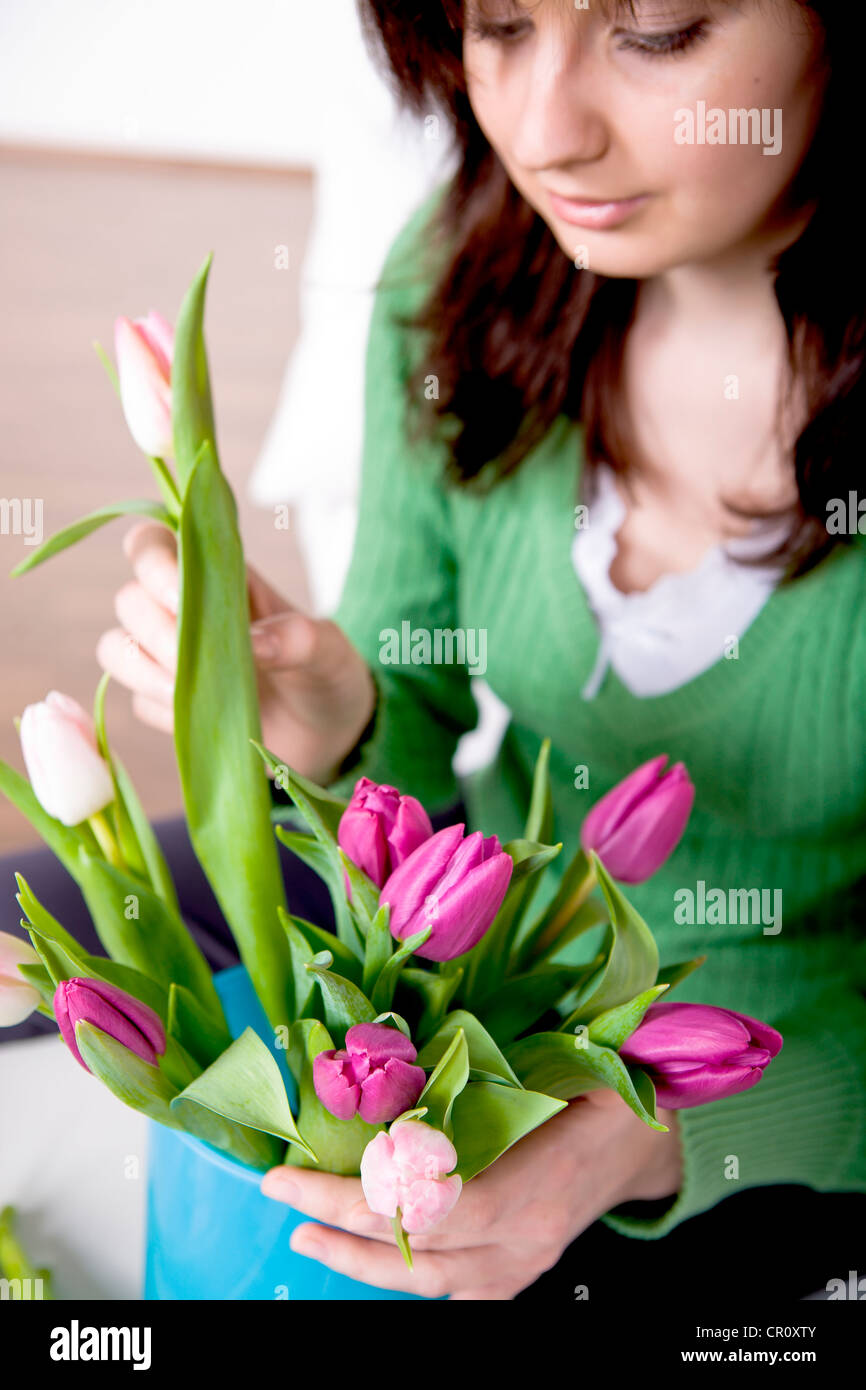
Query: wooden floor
(83, 239)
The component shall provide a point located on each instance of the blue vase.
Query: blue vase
(211, 1234)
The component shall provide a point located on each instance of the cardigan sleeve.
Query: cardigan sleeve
(804, 1122)
(401, 586)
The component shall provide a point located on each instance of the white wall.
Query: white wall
(214, 79)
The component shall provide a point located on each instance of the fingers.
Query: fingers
(335, 1200)
(487, 1293)
(156, 715)
(284, 641)
(152, 551)
(433, 1275)
(265, 602)
(340, 1202)
(149, 624)
(121, 655)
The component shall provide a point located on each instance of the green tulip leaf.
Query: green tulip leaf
(137, 929)
(320, 808)
(301, 954)
(397, 1019)
(63, 840)
(191, 404)
(383, 990)
(484, 1056)
(378, 950)
(324, 861)
(77, 530)
(155, 864)
(445, 1083)
(344, 1004)
(364, 902)
(225, 791)
(124, 832)
(566, 1065)
(611, 1028)
(524, 999)
(41, 919)
(320, 939)
(196, 1030)
(245, 1085)
(488, 1118)
(539, 819)
(632, 955)
(436, 989)
(133, 1081)
(556, 925)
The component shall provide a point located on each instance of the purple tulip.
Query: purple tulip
(695, 1053)
(640, 822)
(453, 884)
(380, 828)
(372, 1076)
(112, 1010)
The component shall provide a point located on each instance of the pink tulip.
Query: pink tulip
(68, 774)
(637, 825)
(380, 828)
(453, 884)
(695, 1053)
(18, 998)
(406, 1168)
(112, 1010)
(372, 1077)
(144, 350)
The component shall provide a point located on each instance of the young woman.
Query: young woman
(615, 387)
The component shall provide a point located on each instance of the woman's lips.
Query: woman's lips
(594, 213)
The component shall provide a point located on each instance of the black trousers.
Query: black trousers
(761, 1245)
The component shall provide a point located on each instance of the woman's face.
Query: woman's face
(629, 113)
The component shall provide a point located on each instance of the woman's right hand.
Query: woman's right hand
(316, 693)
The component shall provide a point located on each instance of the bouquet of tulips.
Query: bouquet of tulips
(436, 1025)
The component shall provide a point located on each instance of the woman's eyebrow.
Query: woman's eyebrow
(608, 9)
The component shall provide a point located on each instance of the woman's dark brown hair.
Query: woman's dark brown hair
(517, 335)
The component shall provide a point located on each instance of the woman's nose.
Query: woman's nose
(559, 104)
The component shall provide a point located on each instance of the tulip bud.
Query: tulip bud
(695, 1053)
(453, 884)
(112, 1010)
(371, 1077)
(69, 776)
(144, 349)
(637, 825)
(406, 1168)
(18, 998)
(380, 828)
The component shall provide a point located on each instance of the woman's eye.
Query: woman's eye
(660, 45)
(650, 45)
(498, 33)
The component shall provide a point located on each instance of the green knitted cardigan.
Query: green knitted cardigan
(773, 736)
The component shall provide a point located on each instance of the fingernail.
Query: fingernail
(305, 1239)
(276, 1184)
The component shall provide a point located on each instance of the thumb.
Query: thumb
(284, 640)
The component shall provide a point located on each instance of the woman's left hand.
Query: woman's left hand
(512, 1222)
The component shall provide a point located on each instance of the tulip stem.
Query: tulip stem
(101, 828)
(401, 1238)
(566, 913)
